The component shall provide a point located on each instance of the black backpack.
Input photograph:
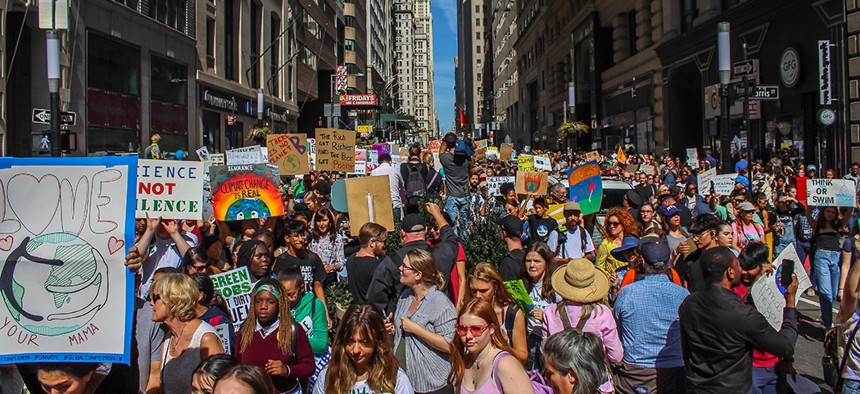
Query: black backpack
(416, 185)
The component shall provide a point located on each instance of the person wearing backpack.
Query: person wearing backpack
(457, 164)
(395, 181)
(414, 175)
(153, 151)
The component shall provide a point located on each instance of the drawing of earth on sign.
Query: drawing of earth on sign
(54, 284)
(248, 208)
(585, 187)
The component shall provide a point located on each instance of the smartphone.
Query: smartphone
(786, 273)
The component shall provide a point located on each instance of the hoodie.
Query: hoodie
(310, 313)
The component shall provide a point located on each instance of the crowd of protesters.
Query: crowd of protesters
(650, 296)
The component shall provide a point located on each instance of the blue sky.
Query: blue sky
(444, 49)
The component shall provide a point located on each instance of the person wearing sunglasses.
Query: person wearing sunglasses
(196, 261)
(704, 232)
(480, 356)
(618, 224)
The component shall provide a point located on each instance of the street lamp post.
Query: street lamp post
(725, 64)
(53, 45)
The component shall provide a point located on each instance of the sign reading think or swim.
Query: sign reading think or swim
(830, 192)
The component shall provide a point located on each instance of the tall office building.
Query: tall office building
(472, 51)
(502, 65)
(413, 47)
(404, 28)
(380, 34)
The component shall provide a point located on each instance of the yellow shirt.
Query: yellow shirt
(604, 260)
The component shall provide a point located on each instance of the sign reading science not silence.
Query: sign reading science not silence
(169, 189)
(247, 191)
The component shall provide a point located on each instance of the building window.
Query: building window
(113, 95)
(478, 49)
(689, 12)
(631, 32)
(210, 43)
(477, 21)
(168, 82)
(231, 39)
(477, 35)
(477, 8)
(112, 66)
(169, 12)
(254, 50)
(274, 33)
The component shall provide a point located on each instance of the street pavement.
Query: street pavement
(809, 348)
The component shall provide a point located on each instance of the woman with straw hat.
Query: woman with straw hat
(582, 288)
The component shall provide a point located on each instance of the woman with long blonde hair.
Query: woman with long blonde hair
(486, 283)
(271, 339)
(362, 359)
(481, 359)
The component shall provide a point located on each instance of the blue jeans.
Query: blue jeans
(764, 380)
(851, 387)
(457, 208)
(827, 274)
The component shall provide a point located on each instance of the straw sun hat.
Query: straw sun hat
(580, 281)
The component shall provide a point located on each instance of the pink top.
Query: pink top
(491, 385)
(601, 323)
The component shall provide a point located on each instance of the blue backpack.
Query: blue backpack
(464, 148)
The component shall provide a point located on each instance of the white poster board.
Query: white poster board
(169, 189)
(235, 287)
(704, 179)
(724, 184)
(218, 159)
(830, 192)
(203, 154)
(542, 163)
(246, 155)
(647, 169)
(692, 157)
(767, 294)
(494, 184)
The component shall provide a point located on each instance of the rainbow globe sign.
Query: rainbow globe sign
(585, 187)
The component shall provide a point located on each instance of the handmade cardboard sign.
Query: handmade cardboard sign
(525, 163)
(481, 153)
(492, 153)
(369, 200)
(830, 192)
(631, 168)
(169, 189)
(203, 154)
(529, 182)
(67, 223)
(246, 192)
(289, 152)
(246, 155)
(586, 187)
(767, 292)
(494, 184)
(693, 157)
(360, 162)
(542, 163)
(704, 180)
(335, 150)
(592, 156)
(434, 146)
(506, 151)
(724, 184)
(218, 159)
(648, 169)
(235, 287)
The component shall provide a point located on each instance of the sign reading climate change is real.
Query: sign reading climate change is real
(66, 223)
(169, 189)
(246, 192)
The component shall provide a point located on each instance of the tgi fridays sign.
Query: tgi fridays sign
(358, 100)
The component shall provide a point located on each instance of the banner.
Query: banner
(724, 184)
(768, 294)
(525, 163)
(335, 150)
(235, 287)
(289, 152)
(830, 192)
(246, 155)
(704, 179)
(246, 192)
(494, 184)
(529, 182)
(67, 222)
(170, 189)
(586, 187)
(542, 163)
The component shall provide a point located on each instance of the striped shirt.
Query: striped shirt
(427, 368)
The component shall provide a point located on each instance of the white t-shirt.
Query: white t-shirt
(572, 248)
(401, 387)
(162, 253)
(533, 325)
(395, 182)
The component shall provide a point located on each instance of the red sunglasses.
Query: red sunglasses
(475, 330)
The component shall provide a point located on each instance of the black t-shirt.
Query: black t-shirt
(311, 266)
(690, 271)
(509, 266)
(359, 271)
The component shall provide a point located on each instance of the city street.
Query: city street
(809, 347)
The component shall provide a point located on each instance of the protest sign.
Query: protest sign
(648, 169)
(692, 157)
(724, 184)
(335, 150)
(830, 192)
(542, 163)
(235, 287)
(506, 152)
(525, 163)
(518, 291)
(494, 184)
(382, 149)
(169, 189)
(360, 162)
(621, 156)
(529, 182)
(631, 168)
(246, 155)
(218, 159)
(67, 223)
(369, 200)
(704, 179)
(586, 187)
(768, 294)
(482, 144)
(289, 152)
(434, 146)
(403, 151)
(203, 154)
(556, 211)
(248, 191)
(592, 156)
(481, 153)
(492, 153)
(265, 152)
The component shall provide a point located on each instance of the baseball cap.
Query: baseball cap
(634, 198)
(627, 244)
(512, 225)
(746, 206)
(572, 206)
(810, 167)
(669, 210)
(413, 223)
(655, 250)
